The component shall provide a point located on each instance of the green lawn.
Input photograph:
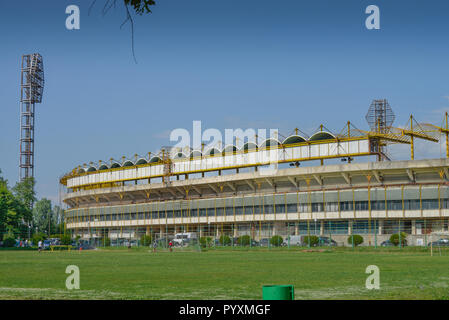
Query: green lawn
(223, 274)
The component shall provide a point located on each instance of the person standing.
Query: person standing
(170, 245)
(39, 245)
(154, 245)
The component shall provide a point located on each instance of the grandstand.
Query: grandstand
(260, 189)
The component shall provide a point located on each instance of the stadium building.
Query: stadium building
(264, 188)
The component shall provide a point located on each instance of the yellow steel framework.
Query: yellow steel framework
(377, 139)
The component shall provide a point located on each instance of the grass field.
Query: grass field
(223, 274)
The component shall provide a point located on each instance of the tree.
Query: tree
(43, 216)
(276, 241)
(12, 213)
(2, 181)
(244, 240)
(140, 7)
(358, 239)
(24, 192)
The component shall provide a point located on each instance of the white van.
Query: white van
(294, 241)
(184, 238)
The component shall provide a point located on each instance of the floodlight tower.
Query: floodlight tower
(380, 118)
(32, 87)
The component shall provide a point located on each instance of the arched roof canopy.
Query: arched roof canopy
(179, 155)
(141, 161)
(81, 170)
(212, 152)
(270, 142)
(103, 167)
(249, 146)
(128, 163)
(293, 140)
(230, 149)
(322, 135)
(155, 159)
(91, 169)
(195, 154)
(115, 165)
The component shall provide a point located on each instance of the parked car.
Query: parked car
(183, 239)
(264, 242)
(254, 243)
(444, 242)
(326, 241)
(292, 241)
(388, 243)
(46, 244)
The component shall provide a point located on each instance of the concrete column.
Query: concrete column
(235, 230)
(201, 232)
(161, 234)
(381, 226)
(349, 227)
(296, 228)
(413, 227)
(217, 231)
(321, 227)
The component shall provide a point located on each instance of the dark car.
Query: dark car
(388, 243)
(254, 243)
(326, 241)
(264, 242)
(440, 243)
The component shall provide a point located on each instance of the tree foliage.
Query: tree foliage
(14, 211)
(358, 239)
(140, 6)
(276, 241)
(244, 240)
(43, 217)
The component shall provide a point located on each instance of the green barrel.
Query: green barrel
(283, 292)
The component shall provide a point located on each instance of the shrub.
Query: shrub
(276, 241)
(145, 240)
(244, 240)
(66, 239)
(9, 241)
(38, 237)
(394, 239)
(225, 240)
(358, 239)
(106, 242)
(205, 242)
(310, 240)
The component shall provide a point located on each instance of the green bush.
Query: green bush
(9, 241)
(106, 242)
(40, 236)
(276, 241)
(56, 235)
(66, 239)
(358, 239)
(310, 240)
(225, 240)
(145, 240)
(244, 240)
(205, 242)
(394, 239)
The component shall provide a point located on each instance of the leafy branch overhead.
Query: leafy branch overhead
(140, 6)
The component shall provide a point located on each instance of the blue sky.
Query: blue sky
(231, 64)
